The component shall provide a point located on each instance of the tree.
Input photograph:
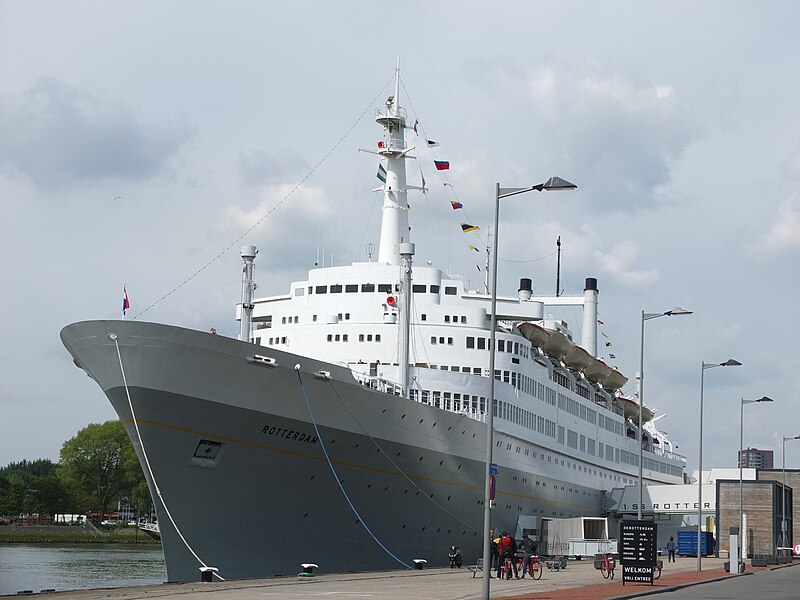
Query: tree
(100, 465)
(29, 487)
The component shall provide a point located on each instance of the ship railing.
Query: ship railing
(666, 454)
(392, 145)
(381, 111)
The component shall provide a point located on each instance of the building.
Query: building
(791, 477)
(755, 459)
(762, 502)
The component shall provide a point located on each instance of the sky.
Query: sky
(142, 143)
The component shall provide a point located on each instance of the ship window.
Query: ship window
(377, 337)
(296, 319)
(463, 319)
(476, 370)
(501, 345)
(310, 290)
(339, 316)
(449, 341)
(418, 289)
(351, 288)
(270, 341)
(360, 337)
(314, 318)
(283, 320)
(369, 337)
(449, 290)
(322, 289)
(299, 291)
(338, 337)
(344, 337)
(441, 340)
(367, 287)
(447, 318)
(481, 343)
(455, 368)
(470, 342)
(336, 289)
(433, 339)
(385, 288)
(330, 337)
(434, 289)
(346, 316)
(423, 317)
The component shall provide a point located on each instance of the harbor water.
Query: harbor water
(61, 567)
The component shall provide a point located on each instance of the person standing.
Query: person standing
(509, 549)
(529, 548)
(671, 549)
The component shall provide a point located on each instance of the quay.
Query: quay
(578, 580)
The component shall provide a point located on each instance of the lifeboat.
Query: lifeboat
(557, 345)
(614, 380)
(597, 371)
(535, 334)
(578, 359)
(631, 409)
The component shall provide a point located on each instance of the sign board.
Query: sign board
(638, 550)
(493, 469)
(492, 487)
(797, 549)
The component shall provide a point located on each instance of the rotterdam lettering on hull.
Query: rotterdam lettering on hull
(289, 434)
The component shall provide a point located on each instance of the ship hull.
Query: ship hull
(256, 468)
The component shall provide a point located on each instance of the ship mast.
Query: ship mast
(392, 148)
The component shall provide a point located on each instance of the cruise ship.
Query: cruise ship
(346, 428)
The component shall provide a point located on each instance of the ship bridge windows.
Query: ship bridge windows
(418, 288)
(450, 290)
(385, 288)
(336, 288)
(321, 289)
(367, 287)
(435, 289)
(351, 288)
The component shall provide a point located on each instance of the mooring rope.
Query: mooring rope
(336, 475)
(147, 462)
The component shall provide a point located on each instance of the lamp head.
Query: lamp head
(556, 183)
(678, 310)
(731, 362)
(765, 399)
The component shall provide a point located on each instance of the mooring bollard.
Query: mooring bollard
(308, 570)
(207, 574)
(419, 563)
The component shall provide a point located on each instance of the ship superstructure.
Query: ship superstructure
(352, 416)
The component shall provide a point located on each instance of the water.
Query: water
(78, 566)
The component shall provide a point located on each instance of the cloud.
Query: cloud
(784, 234)
(619, 265)
(624, 134)
(58, 136)
(259, 166)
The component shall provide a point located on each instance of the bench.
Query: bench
(477, 567)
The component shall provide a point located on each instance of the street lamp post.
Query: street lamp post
(640, 391)
(728, 363)
(783, 510)
(741, 456)
(554, 183)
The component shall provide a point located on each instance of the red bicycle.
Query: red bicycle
(607, 566)
(535, 568)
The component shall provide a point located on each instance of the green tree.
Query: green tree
(28, 487)
(99, 465)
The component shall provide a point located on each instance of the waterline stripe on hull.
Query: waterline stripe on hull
(349, 464)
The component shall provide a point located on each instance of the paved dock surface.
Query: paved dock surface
(578, 580)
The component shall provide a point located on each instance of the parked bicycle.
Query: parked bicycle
(607, 566)
(657, 569)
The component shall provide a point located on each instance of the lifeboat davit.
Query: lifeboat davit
(535, 334)
(597, 371)
(614, 380)
(578, 359)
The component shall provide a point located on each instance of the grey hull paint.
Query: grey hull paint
(269, 501)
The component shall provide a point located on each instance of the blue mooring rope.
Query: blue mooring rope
(336, 475)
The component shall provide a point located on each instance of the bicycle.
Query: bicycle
(507, 569)
(607, 566)
(657, 569)
(535, 568)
